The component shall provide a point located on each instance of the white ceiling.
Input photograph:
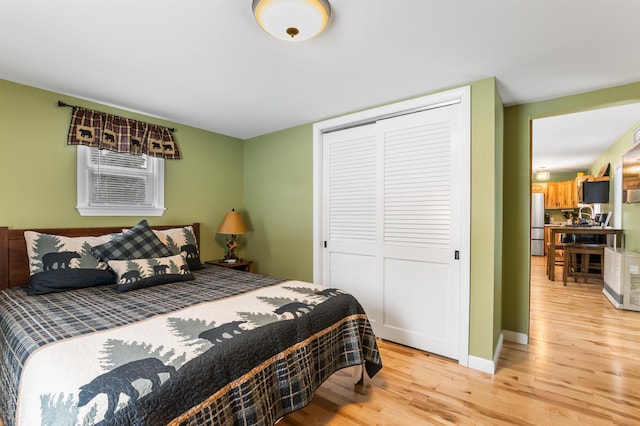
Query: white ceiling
(573, 142)
(206, 63)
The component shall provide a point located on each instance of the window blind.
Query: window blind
(120, 179)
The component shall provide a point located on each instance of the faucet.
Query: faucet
(580, 212)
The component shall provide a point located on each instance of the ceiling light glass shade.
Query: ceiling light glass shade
(542, 174)
(292, 20)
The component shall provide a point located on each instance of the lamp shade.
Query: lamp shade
(232, 224)
(292, 20)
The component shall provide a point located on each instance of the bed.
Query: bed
(170, 340)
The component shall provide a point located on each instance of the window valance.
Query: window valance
(119, 134)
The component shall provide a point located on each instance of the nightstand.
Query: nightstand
(242, 265)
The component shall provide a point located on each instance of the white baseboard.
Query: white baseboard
(485, 365)
(611, 299)
(515, 337)
(482, 364)
(488, 366)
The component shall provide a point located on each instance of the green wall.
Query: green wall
(630, 212)
(517, 180)
(38, 169)
(498, 219)
(279, 201)
(269, 178)
(278, 198)
(486, 221)
(556, 177)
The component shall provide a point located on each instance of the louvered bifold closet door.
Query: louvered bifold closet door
(417, 189)
(351, 203)
(391, 203)
(418, 198)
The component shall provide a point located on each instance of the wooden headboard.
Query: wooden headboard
(14, 262)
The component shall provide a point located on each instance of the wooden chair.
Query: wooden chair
(582, 268)
(557, 258)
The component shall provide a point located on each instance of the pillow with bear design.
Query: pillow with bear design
(182, 240)
(58, 263)
(141, 273)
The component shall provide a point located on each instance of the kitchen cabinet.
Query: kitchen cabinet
(561, 195)
(551, 200)
(567, 194)
(537, 188)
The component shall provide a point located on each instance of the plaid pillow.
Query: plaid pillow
(140, 242)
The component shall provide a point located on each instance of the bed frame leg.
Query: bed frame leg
(359, 386)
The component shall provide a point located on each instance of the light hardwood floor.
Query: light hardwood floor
(581, 367)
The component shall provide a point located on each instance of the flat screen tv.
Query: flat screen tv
(631, 175)
(596, 192)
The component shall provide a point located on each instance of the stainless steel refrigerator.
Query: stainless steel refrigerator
(537, 224)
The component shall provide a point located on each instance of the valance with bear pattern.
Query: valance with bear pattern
(119, 134)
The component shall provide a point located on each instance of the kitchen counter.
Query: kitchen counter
(591, 230)
(570, 228)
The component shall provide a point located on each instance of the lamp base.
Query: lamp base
(232, 244)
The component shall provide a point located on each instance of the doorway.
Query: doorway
(570, 143)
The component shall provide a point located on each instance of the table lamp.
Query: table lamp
(232, 225)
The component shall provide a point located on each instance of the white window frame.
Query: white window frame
(84, 176)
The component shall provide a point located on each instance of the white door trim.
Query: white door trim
(462, 95)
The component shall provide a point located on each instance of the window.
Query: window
(116, 184)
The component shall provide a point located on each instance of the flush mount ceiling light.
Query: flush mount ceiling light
(542, 174)
(292, 20)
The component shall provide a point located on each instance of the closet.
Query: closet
(394, 196)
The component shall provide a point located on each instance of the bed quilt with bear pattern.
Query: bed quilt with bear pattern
(228, 348)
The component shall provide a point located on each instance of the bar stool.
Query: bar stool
(571, 268)
(557, 258)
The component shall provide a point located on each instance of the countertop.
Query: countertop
(590, 228)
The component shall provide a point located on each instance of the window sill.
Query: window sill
(120, 211)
